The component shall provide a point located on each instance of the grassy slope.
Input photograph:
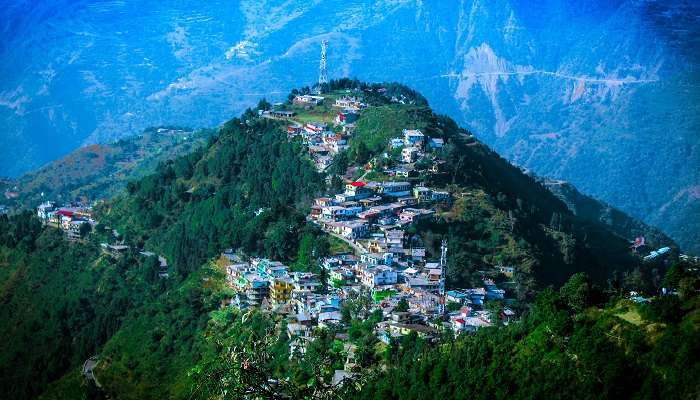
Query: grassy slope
(102, 170)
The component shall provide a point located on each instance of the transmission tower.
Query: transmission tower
(322, 78)
(443, 276)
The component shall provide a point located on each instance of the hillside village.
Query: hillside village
(369, 213)
(370, 216)
(373, 212)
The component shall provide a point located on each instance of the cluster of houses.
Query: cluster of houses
(366, 211)
(299, 296)
(409, 293)
(323, 140)
(414, 145)
(387, 267)
(69, 218)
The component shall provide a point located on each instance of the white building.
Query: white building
(409, 154)
(308, 100)
(378, 276)
(413, 137)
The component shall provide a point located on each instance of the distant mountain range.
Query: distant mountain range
(602, 94)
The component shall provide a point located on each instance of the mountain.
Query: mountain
(604, 95)
(101, 171)
(587, 207)
(250, 188)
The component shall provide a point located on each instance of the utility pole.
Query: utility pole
(322, 78)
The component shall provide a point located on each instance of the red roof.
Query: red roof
(65, 213)
(358, 184)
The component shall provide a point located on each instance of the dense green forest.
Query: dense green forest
(250, 188)
(60, 301)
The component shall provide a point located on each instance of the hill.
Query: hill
(595, 210)
(251, 188)
(102, 170)
(502, 217)
(610, 103)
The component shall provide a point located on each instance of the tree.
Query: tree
(402, 306)
(85, 229)
(673, 276)
(361, 153)
(576, 291)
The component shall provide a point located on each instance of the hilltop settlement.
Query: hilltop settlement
(372, 213)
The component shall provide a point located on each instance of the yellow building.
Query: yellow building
(281, 290)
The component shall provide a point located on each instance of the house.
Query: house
(457, 296)
(469, 321)
(410, 272)
(357, 191)
(351, 229)
(347, 116)
(434, 274)
(349, 102)
(394, 237)
(45, 209)
(315, 128)
(396, 143)
(492, 291)
(403, 172)
(282, 114)
(269, 269)
(411, 215)
(115, 250)
(255, 288)
(418, 254)
(304, 282)
(324, 201)
(340, 212)
(395, 189)
(413, 137)
(507, 271)
(281, 290)
(656, 253)
(409, 154)
(294, 129)
(436, 143)
(506, 315)
(419, 283)
(378, 276)
(326, 319)
(308, 100)
(339, 145)
(388, 330)
(407, 200)
(476, 296)
(341, 275)
(72, 228)
(440, 197)
(323, 162)
(376, 245)
(377, 258)
(370, 201)
(423, 194)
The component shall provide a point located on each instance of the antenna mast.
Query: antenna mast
(322, 78)
(443, 276)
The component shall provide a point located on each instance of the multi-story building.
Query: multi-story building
(281, 290)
